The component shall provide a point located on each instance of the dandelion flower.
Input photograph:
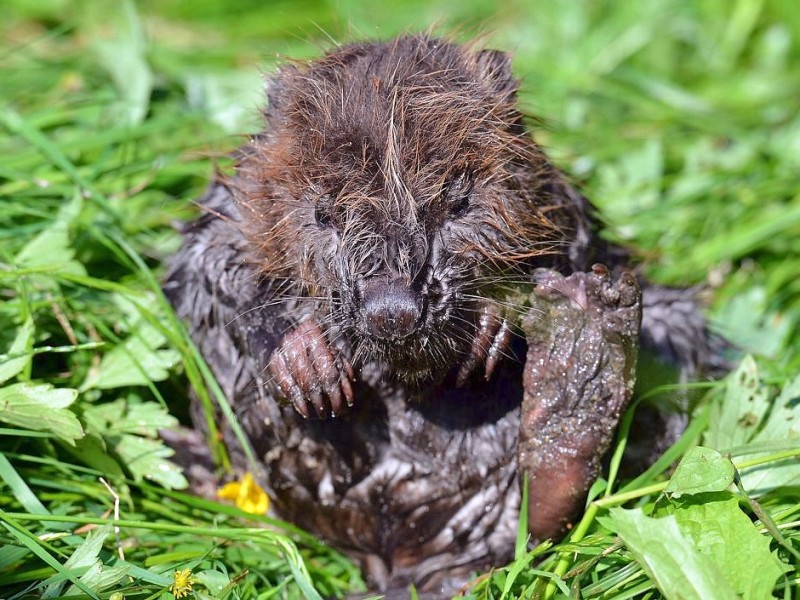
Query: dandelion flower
(183, 583)
(247, 495)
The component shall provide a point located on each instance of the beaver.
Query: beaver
(394, 290)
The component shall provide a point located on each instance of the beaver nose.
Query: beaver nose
(390, 308)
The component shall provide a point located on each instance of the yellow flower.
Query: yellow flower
(247, 495)
(183, 583)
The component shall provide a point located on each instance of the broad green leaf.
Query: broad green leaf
(89, 550)
(92, 450)
(121, 47)
(20, 346)
(121, 416)
(100, 577)
(147, 459)
(749, 322)
(41, 407)
(746, 414)
(51, 248)
(632, 183)
(670, 557)
(214, 581)
(724, 534)
(782, 424)
(137, 361)
(130, 431)
(227, 98)
(83, 558)
(701, 470)
(735, 417)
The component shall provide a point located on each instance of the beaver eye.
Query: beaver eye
(460, 207)
(323, 211)
(459, 192)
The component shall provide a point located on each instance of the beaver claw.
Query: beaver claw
(309, 373)
(489, 344)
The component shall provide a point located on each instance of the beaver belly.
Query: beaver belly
(420, 487)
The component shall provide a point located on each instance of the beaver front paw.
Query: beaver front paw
(311, 374)
(582, 333)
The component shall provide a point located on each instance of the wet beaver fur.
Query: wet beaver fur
(358, 288)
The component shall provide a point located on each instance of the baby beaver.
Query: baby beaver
(392, 291)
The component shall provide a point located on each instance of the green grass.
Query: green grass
(681, 120)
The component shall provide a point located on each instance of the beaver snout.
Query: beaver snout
(390, 308)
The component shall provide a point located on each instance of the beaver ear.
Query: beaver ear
(275, 88)
(494, 67)
(278, 86)
(272, 91)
